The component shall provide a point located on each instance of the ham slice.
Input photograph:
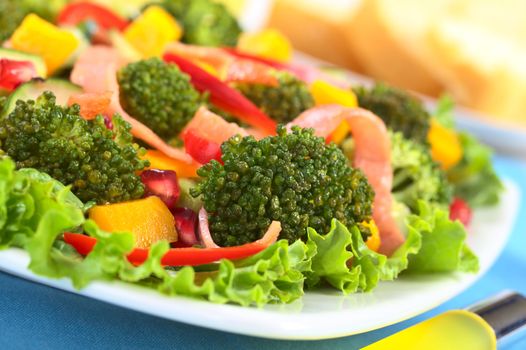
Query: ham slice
(96, 72)
(372, 155)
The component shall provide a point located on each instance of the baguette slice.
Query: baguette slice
(316, 27)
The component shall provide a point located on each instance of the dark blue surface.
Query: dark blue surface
(33, 316)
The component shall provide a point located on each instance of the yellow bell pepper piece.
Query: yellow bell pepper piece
(269, 43)
(37, 36)
(325, 93)
(152, 31)
(445, 145)
(148, 219)
(373, 242)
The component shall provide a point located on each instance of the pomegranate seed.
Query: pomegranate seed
(186, 224)
(108, 122)
(460, 210)
(163, 184)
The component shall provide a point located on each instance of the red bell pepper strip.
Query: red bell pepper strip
(77, 12)
(223, 96)
(200, 148)
(175, 256)
(14, 73)
(460, 210)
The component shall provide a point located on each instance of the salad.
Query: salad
(160, 145)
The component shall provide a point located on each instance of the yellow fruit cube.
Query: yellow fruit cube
(152, 31)
(269, 43)
(325, 93)
(446, 148)
(53, 44)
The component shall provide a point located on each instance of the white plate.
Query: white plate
(320, 314)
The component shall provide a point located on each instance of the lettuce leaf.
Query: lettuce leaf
(344, 261)
(443, 243)
(474, 178)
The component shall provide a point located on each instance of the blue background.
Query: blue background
(39, 317)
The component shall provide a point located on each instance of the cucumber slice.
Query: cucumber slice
(62, 89)
(15, 55)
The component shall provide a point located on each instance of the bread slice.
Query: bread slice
(386, 35)
(483, 69)
(316, 27)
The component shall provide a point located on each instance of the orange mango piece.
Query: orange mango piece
(158, 160)
(268, 43)
(148, 219)
(373, 242)
(445, 145)
(37, 36)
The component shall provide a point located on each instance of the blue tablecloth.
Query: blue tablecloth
(33, 316)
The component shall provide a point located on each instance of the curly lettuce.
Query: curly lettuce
(444, 247)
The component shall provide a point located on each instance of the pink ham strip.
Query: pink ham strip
(96, 71)
(268, 238)
(372, 155)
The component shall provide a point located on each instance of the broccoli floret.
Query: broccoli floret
(415, 174)
(294, 178)
(282, 103)
(159, 95)
(204, 22)
(12, 12)
(99, 164)
(398, 109)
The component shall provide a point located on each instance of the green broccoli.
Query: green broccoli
(294, 178)
(204, 22)
(98, 163)
(12, 12)
(282, 103)
(415, 175)
(398, 109)
(159, 95)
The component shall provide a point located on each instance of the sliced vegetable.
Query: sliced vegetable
(224, 96)
(158, 160)
(268, 238)
(91, 104)
(445, 145)
(37, 61)
(186, 223)
(37, 36)
(268, 43)
(82, 11)
(148, 219)
(201, 149)
(14, 73)
(175, 256)
(152, 30)
(163, 184)
(460, 210)
(62, 89)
